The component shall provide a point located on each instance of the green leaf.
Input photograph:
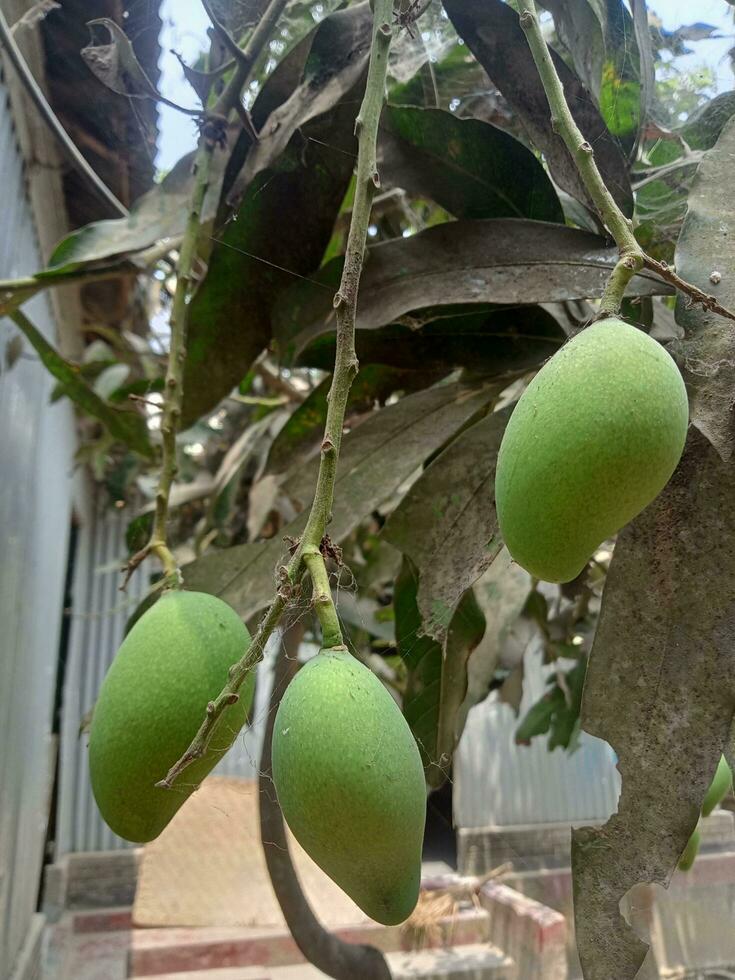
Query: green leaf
(537, 720)
(602, 39)
(333, 71)
(127, 427)
(500, 341)
(301, 435)
(501, 593)
(376, 458)
(659, 691)
(436, 674)
(160, 213)
(468, 167)
(706, 246)
(447, 523)
(702, 130)
(496, 261)
(229, 316)
(491, 30)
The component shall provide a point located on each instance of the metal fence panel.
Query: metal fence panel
(499, 784)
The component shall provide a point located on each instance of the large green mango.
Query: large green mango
(592, 441)
(350, 782)
(152, 702)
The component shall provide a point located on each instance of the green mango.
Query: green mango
(350, 782)
(719, 787)
(173, 661)
(690, 851)
(592, 441)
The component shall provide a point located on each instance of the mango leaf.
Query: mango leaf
(602, 39)
(659, 690)
(647, 68)
(702, 129)
(499, 261)
(436, 681)
(127, 427)
(500, 341)
(335, 66)
(557, 713)
(492, 31)
(303, 432)
(707, 247)
(159, 214)
(115, 64)
(470, 168)
(501, 592)
(229, 316)
(376, 459)
(447, 523)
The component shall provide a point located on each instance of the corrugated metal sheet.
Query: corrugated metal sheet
(498, 783)
(36, 451)
(99, 616)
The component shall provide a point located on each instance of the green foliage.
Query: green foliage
(557, 713)
(436, 673)
(128, 427)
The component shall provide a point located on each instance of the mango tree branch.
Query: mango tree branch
(346, 366)
(173, 390)
(632, 256)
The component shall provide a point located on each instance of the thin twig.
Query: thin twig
(696, 294)
(345, 369)
(212, 137)
(51, 119)
(632, 257)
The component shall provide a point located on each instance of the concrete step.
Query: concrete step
(474, 961)
(102, 920)
(157, 952)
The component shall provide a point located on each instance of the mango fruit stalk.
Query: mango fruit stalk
(174, 661)
(350, 783)
(592, 441)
